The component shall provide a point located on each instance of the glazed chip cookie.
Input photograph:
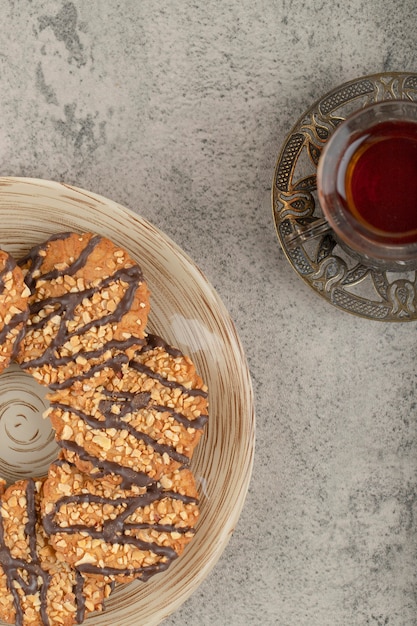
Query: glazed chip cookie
(104, 527)
(36, 587)
(144, 417)
(14, 310)
(88, 302)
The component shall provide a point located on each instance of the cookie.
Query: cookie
(106, 528)
(14, 309)
(37, 587)
(143, 419)
(88, 302)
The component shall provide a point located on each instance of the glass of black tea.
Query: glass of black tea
(367, 184)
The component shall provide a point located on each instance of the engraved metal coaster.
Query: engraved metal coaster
(332, 271)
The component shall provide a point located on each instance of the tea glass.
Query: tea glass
(392, 248)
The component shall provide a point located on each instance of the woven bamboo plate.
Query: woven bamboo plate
(187, 312)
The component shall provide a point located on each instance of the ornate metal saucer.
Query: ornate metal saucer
(333, 271)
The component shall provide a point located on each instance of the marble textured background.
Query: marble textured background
(178, 110)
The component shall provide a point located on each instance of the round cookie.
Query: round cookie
(142, 419)
(88, 302)
(14, 311)
(36, 587)
(104, 527)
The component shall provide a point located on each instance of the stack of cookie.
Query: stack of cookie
(128, 410)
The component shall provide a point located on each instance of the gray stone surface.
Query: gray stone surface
(178, 110)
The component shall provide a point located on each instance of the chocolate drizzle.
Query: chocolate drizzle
(21, 317)
(114, 421)
(144, 573)
(36, 259)
(129, 402)
(9, 266)
(171, 384)
(65, 305)
(16, 318)
(115, 363)
(116, 406)
(155, 341)
(76, 265)
(102, 467)
(114, 531)
(78, 591)
(26, 573)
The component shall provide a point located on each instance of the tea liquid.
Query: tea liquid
(380, 180)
